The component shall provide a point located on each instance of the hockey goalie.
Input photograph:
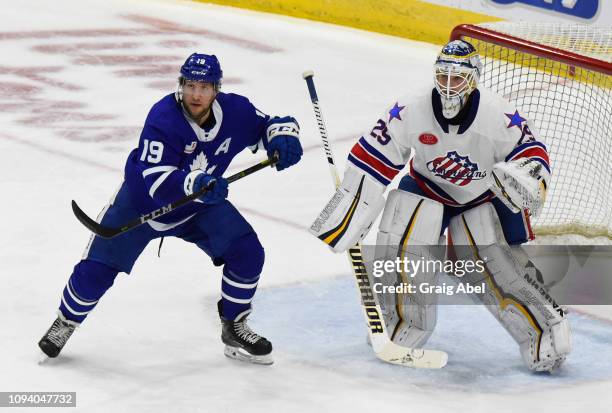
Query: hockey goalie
(477, 171)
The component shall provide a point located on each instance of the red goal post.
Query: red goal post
(560, 77)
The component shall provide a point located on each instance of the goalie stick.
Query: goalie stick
(108, 232)
(384, 348)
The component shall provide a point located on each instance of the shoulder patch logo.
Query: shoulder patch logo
(515, 120)
(521, 123)
(191, 147)
(394, 113)
(428, 139)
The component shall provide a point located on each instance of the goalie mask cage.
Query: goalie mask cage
(560, 78)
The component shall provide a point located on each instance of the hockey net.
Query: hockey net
(560, 77)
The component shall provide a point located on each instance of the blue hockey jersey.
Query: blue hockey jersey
(172, 145)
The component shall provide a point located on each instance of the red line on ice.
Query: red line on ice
(79, 47)
(156, 27)
(60, 154)
(33, 73)
(166, 25)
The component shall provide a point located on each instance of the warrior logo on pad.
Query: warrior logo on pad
(455, 168)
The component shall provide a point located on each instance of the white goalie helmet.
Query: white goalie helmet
(456, 73)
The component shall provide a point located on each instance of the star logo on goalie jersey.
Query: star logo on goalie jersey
(394, 113)
(515, 120)
(456, 169)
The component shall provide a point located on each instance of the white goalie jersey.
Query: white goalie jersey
(451, 163)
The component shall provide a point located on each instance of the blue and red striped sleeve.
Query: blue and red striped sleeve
(370, 160)
(534, 150)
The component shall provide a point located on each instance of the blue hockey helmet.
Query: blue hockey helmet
(456, 74)
(202, 68)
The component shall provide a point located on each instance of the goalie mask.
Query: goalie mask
(456, 73)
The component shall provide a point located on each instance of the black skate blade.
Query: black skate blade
(237, 353)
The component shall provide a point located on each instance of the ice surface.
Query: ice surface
(76, 81)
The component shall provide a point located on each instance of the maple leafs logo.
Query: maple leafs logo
(200, 162)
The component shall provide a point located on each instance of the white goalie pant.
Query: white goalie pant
(409, 230)
(522, 305)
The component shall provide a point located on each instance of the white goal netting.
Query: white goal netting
(560, 77)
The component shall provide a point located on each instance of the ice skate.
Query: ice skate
(242, 343)
(56, 337)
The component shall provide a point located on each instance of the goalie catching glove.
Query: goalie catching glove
(520, 184)
(348, 216)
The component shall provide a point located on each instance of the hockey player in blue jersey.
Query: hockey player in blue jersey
(188, 141)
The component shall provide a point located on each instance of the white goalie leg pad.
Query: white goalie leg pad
(522, 305)
(409, 228)
(349, 214)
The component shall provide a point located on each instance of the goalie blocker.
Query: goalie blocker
(349, 214)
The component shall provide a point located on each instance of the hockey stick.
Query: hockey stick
(108, 232)
(384, 348)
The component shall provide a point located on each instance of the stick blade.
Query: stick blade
(390, 352)
(416, 358)
(92, 225)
